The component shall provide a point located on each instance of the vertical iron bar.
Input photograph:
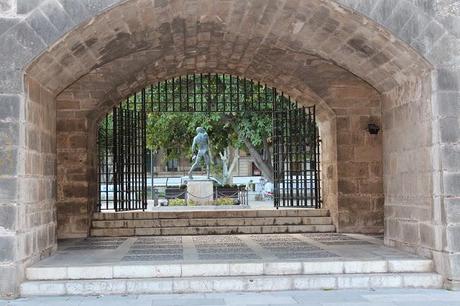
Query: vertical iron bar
(201, 92)
(173, 95)
(238, 93)
(115, 158)
(194, 92)
(144, 159)
(136, 154)
(107, 161)
(231, 93)
(297, 141)
(305, 118)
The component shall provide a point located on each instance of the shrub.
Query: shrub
(224, 201)
(177, 202)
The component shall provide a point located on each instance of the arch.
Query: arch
(316, 51)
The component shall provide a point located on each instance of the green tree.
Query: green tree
(173, 133)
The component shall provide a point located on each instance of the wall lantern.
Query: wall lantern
(373, 128)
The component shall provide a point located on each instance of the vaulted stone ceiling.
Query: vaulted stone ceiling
(311, 50)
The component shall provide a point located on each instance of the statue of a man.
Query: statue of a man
(201, 140)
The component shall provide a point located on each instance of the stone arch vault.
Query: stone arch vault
(67, 62)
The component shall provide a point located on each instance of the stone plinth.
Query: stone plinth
(200, 192)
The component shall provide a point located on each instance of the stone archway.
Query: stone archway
(315, 51)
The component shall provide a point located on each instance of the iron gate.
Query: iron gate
(122, 137)
(296, 157)
(122, 158)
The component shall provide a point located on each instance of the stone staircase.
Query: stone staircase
(230, 276)
(168, 223)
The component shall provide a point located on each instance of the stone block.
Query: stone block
(450, 129)
(386, 281)
(6, 6)
(206, 270)
(149, 286)
(11, 80)
(246, 268)
(97, 272)
(316, 282)
(449, 79)
(43, 289)
(452, 184)
(400, 17)
(95, 7)
(427, 39)
(76, 10)
(410, 233)
(375, 266)
(283, 268)
(25, 6)
(353, 281)
(9, 107)
(95, 287)
(46, 273)
(9, 133)
(19, 46)
(43, 27)
(8, 188)
(447, 104)
(7, 23)
(416, 265)
(7, 248)
(228, 285)
(54, 11)
(452, 208)
(333, 267)
(200, 192)
(130, 271)
(139, 231)
(8, 217)
(8, 161)
(453, 238)
(9, 281)
(422, 280)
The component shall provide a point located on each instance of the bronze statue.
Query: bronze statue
(202, 141)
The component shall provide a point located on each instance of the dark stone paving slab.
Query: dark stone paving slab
(231, 248)
(168, 257)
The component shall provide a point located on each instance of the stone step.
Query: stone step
(129, 271)
(210, 230)
(202, 214)
(230, 283)
(251, 221)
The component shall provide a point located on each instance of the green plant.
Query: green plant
(177, 202)
(224, 201)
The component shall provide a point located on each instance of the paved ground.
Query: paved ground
(224, 248)
(388, 297)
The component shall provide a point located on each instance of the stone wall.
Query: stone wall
(27, 201)
(291, 32)
(408, 173)
(431, 28)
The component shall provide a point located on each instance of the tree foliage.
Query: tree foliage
(176, 107)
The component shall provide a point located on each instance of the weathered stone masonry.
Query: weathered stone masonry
(407, 83)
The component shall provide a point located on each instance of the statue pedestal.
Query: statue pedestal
(200, 192)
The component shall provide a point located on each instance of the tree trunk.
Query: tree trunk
(226, 169)
(264, 166)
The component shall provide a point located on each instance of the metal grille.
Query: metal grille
(122, 157)
(296, 157)
(122, 137)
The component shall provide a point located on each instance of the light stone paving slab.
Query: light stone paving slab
(231, 284)
(228, 255)
(351, 297)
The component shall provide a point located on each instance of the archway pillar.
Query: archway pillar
(76, 172)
